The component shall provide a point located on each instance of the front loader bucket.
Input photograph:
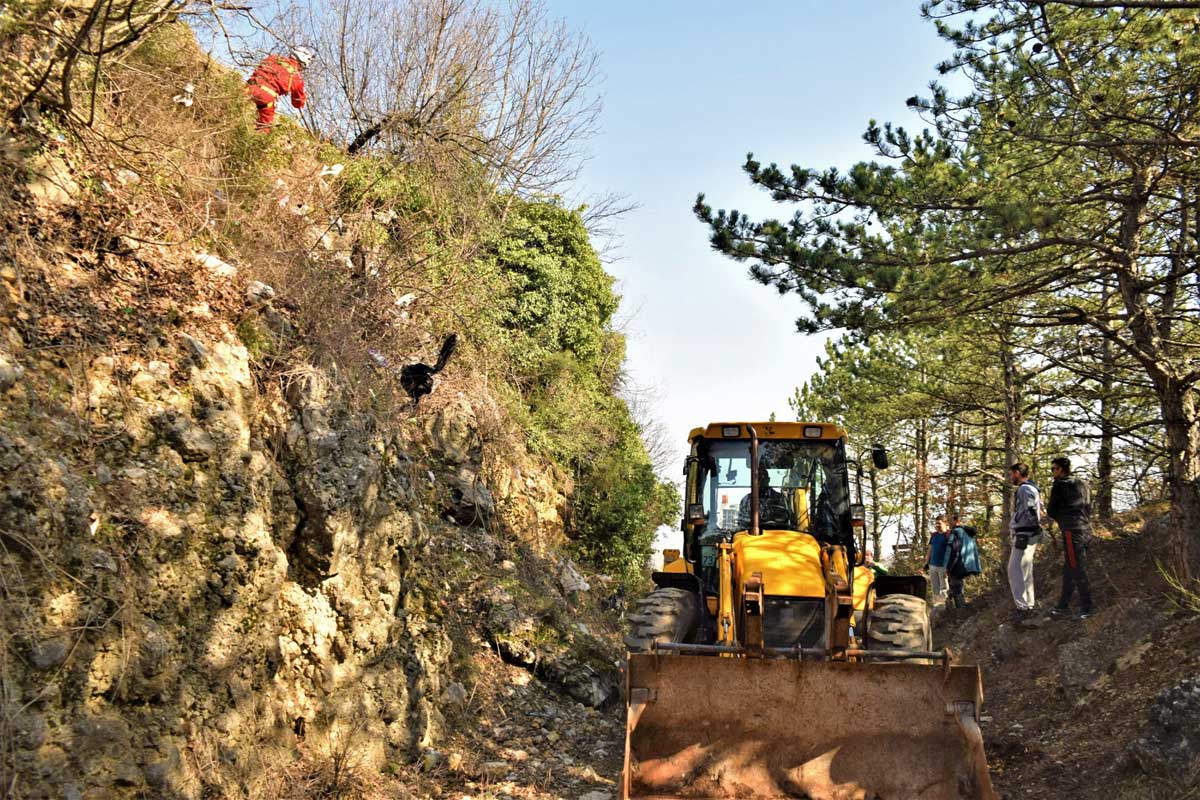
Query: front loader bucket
(703, 726)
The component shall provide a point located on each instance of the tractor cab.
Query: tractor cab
(779, 496)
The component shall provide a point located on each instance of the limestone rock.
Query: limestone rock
(470, 501)
(1170, 747)
(274, 558)
(98, 735)
(591, 684)
(571, 579)
(50, 653)
(576, 662)
(164, 773)
(1085, 660)
(195, 349)
(1076, 667)
(214, 265)
(186, 437)
(259, 292)
(51, 179)
(150, 382)
(10, 373)
(456, 694)
(29, 729)
(1005, 643)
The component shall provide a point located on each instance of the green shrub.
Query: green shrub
(258, 342)
(561, 297)
(619, 504)
(556, 306)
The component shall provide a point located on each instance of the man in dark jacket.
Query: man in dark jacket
(1071, 507)
(773, 510)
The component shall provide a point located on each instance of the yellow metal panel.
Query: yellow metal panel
(800, 503)
(676, 564)
(770, 430)
(727, 633)
(837, 559)
(863, 578)
(790, 562)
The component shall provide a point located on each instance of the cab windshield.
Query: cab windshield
(803, 486)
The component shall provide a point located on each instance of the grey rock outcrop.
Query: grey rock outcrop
(218, 559)
(1087, 659)
(565, 656)
(10, 373)
(187, 438)
(1170, 745)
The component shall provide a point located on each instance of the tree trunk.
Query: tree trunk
(952, 470)
(1108, 411)
(1183, 440)
(876, 533)
(922, 485)
(1104, 459)
(1173, 385)
(1035, 445)
(985, 483)
(1012, 439)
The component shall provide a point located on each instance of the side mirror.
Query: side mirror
(695, 514)
(858, 515)
(879, 456)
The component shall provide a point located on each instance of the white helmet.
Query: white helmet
(304, 55)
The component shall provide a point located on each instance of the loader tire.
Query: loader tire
(664, 615)
(900, 622)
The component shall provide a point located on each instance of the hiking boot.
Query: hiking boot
(1058, 612)
(1022, 617)
(1082, 615)
(1032, 619)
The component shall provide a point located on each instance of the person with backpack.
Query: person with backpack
(963, 559)
(1025, 529)
(1071, 508)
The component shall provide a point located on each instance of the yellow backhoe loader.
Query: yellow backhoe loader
(771, 661)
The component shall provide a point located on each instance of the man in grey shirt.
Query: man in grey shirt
(1026, 531)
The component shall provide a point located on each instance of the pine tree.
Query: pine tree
(1067, 175)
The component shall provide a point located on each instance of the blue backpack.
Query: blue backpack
(968, 552)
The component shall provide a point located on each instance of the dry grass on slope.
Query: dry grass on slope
(373, 263)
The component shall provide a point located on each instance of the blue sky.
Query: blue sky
(690, 88)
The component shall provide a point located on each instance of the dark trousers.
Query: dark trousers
(957, 598)
(1074, 571)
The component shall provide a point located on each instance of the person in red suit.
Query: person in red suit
(275, 77)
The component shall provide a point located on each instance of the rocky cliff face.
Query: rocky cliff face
(209, 559)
